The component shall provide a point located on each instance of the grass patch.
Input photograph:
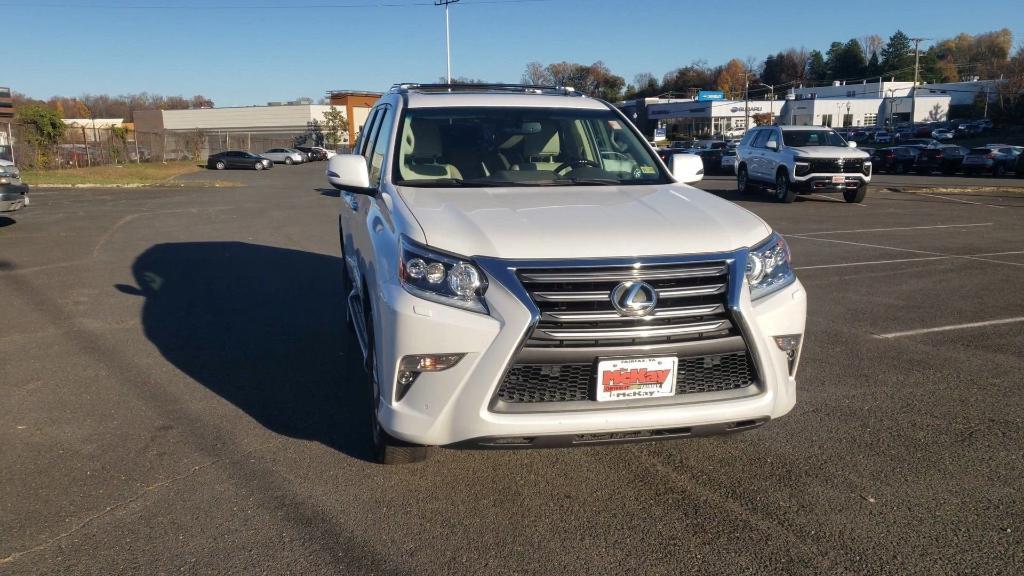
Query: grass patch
(128, 174)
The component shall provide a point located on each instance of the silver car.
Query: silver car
(284, 156)
(13, 193)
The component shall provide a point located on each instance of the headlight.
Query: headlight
(768, 267)
(801, 166)
(867, 168)
(443, 278)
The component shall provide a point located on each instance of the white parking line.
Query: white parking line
(890, 229)
(872, 262)
(962, 201)
(968, 257)
(951, 327)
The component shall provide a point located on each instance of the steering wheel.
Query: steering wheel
(575, 163)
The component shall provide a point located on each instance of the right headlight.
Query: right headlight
(441, 277)
(768, 267)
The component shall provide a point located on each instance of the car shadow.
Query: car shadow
(330, 192)
(264, 328)
(5, 221)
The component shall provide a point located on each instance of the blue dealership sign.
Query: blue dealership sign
(705, 95)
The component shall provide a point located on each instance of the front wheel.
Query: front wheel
(783, 190)
(258, 165)
(855, 196)
(385, 448)
(998, 170)
(743, 181)
(220, 165)
(288, 161)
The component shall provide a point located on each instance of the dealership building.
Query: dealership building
(839, 105)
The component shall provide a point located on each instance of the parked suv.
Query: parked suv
(995, 159)
(522, 270)
(13, 193)
(792, 159)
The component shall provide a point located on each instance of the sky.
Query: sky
(245, 52)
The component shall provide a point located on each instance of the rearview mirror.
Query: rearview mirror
(348, 172)
(687, 168)
(851, 144)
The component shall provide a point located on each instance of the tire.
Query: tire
(384, 448)
(900, 168)
(998, 170)
(289, 161)
(258, 166)
(220, 165)
(783, 190)
(948, 171)
(743, 181)
(855, 196)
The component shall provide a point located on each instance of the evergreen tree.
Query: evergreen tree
(817, 69)
(897, 56)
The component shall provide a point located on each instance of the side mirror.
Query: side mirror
(348, 172)
(851, 144)
(771, 145)
(687, 168)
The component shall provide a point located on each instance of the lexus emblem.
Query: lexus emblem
(634, 299)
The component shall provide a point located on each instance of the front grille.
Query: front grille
(832, 166)
(576, 309)
(530, 383)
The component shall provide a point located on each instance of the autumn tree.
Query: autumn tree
(732, 79)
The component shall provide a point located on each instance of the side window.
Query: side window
(368, 134)
(749, 137)
(380, 148)
(762, 137)
(773, 136)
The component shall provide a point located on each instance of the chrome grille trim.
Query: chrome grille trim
(631, 332)
(629, 274)
(680, 312)
(600, 296)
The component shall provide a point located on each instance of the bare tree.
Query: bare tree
(536, 74)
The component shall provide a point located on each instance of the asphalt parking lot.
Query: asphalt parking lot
(180, 396)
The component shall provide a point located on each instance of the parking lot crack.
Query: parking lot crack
(128, 501)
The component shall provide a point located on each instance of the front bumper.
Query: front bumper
(13, 197)
(824, 182)
(456, 406)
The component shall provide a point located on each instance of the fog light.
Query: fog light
(429, 362)
(410, 368)
(789, 343)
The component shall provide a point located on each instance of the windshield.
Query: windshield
(800, 138)
(452, 147)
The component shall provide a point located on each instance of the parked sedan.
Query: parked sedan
(946, 159)
(238, 159)
(995, 159)
(13, 193)
(942, 134)
(287, 156)
(897, 159)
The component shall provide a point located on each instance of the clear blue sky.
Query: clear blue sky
(282, 49)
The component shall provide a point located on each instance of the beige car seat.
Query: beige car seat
(541, 150)
(422, 153)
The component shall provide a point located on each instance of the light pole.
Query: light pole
(447, 36)
(913, 91)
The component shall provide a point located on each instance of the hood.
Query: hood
(828, 152)
(581, 221)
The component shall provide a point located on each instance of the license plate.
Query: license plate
(839, 179)
(636, 378)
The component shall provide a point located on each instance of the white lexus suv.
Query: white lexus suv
(522, 270)
(801, 159)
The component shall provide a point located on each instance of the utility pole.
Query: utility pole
(447, 35)
(746, 100)
(913, 91)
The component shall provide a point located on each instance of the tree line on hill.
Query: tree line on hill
(106, 106)
(986, 56)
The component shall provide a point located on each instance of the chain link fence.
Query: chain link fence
(83, 146)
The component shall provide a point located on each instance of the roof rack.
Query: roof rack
(510, 88)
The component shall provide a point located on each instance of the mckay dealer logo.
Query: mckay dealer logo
(636, 378)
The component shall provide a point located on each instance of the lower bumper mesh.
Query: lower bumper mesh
(529, 383)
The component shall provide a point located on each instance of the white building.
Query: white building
(91, 129)
(243, 119)
(685, 117)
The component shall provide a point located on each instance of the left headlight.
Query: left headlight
(768, 267)
(441, 277)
